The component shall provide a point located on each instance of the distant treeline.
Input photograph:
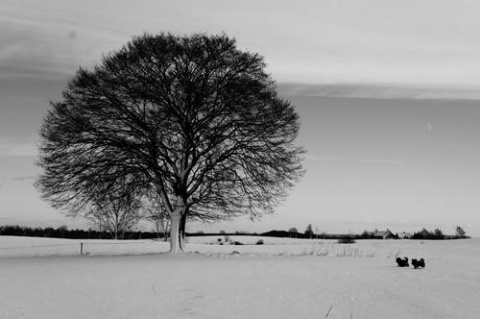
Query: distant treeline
(64, 232)
(309, 235)
(438, 234)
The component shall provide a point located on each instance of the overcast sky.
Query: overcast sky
(388, 93)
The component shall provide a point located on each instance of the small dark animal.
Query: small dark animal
(418, 263)
(402, 262)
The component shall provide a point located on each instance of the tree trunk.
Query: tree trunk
(183, 222)
(166, 228)
(157, 228)
(177, 230)
(177, 226)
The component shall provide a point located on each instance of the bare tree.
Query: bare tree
(155, 212)
(162, 223)
(115, 215)
(309, 231)
(191, 118)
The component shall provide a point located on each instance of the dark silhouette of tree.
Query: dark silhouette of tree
(460, 233)
(425, 234)
(438, 234)
(191, 118)
(309, 231)
(293, 231)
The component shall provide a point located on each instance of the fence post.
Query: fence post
(81, 248)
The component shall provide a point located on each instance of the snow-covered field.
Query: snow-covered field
(284, 278)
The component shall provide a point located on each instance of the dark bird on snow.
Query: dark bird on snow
(402, 262)
(418, 263)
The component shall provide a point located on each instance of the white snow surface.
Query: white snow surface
(284, 278)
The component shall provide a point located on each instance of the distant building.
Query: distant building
(404, 235)
(383, 234)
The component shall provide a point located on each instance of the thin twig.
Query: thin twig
(330, 309)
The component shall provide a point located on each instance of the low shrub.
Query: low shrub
(346, 240)
(426, 234)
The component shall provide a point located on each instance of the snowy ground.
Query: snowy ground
(285, 278)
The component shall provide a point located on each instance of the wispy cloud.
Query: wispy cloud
(393, 91)
(23, 178)
(12, 148)
(329, 43)
(50, 41)
(309, 157)
(29, 51)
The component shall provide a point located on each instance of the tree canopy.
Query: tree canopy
(192, 119)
